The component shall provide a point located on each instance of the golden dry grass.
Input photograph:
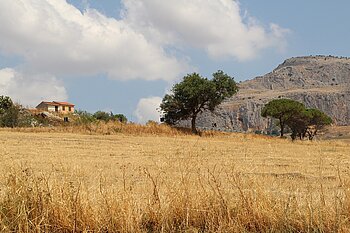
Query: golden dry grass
(109, 128)
(66, 182)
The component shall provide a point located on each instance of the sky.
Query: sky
(125, 55)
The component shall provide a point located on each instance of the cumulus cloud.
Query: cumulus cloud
(215, 26)
(30, 90)
(147, 109)
(55, 37)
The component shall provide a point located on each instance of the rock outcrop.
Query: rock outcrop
(317, 81)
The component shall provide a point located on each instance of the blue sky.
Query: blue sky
(123, 56)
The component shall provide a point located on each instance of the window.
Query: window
(70, 109)
(63, 108)
(56, 108)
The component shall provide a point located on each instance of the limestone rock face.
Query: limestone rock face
(318, 81)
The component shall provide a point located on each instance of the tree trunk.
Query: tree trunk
(193, 125)
(282, 127)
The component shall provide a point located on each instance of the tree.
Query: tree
(101, 115)
(10, 118)
(5, 104)
(119, 117)
(84, 117)
(300, 120)
(109, 116)
(308, 121)
(317, 120)
(9, 112)
(283, 110)
(194, 94)
(298, 123)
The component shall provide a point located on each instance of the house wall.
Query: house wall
(51, 108)
(66, 109)
(43, 107)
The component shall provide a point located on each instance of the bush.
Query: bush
(103, 116)
(119, 117)
(84, 117)
(10, 117)
(5, 104)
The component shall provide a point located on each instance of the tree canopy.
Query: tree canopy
(283, 110)
(5, 103)
(308, 122)
(109, 116)
(9, 112)
(297, 117)
(194, 94)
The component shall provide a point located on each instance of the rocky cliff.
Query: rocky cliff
(318, 81)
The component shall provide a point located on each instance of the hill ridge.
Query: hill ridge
(321, 82)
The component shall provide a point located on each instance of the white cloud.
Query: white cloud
(215, 26)
(148, 109)
(55, 37)
(30, 90)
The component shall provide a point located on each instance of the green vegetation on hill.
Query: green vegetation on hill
(14, 115)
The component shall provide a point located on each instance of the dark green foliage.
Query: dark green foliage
(5, 103)
(300, 120)
(283, 110)
(119, 117)
(225, 87)
(194, 94)
(101, 115)
(318, 118)
(84, 117)
(9, 113)
(298, 124)
(308, 122)
(10, 117)
(109, 116)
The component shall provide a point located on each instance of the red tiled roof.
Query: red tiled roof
(56, 103)
(63, 103)
(50, 103)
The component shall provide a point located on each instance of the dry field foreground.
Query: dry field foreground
(64, 182)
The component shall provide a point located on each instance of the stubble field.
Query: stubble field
(66, 182)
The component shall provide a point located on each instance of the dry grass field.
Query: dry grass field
(69, 182)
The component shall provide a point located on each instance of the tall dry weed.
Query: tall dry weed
(212, 200)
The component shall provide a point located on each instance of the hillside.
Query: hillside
(318, 81)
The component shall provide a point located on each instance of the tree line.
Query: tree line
(86, 117)
(189, 98)
(195, 94)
